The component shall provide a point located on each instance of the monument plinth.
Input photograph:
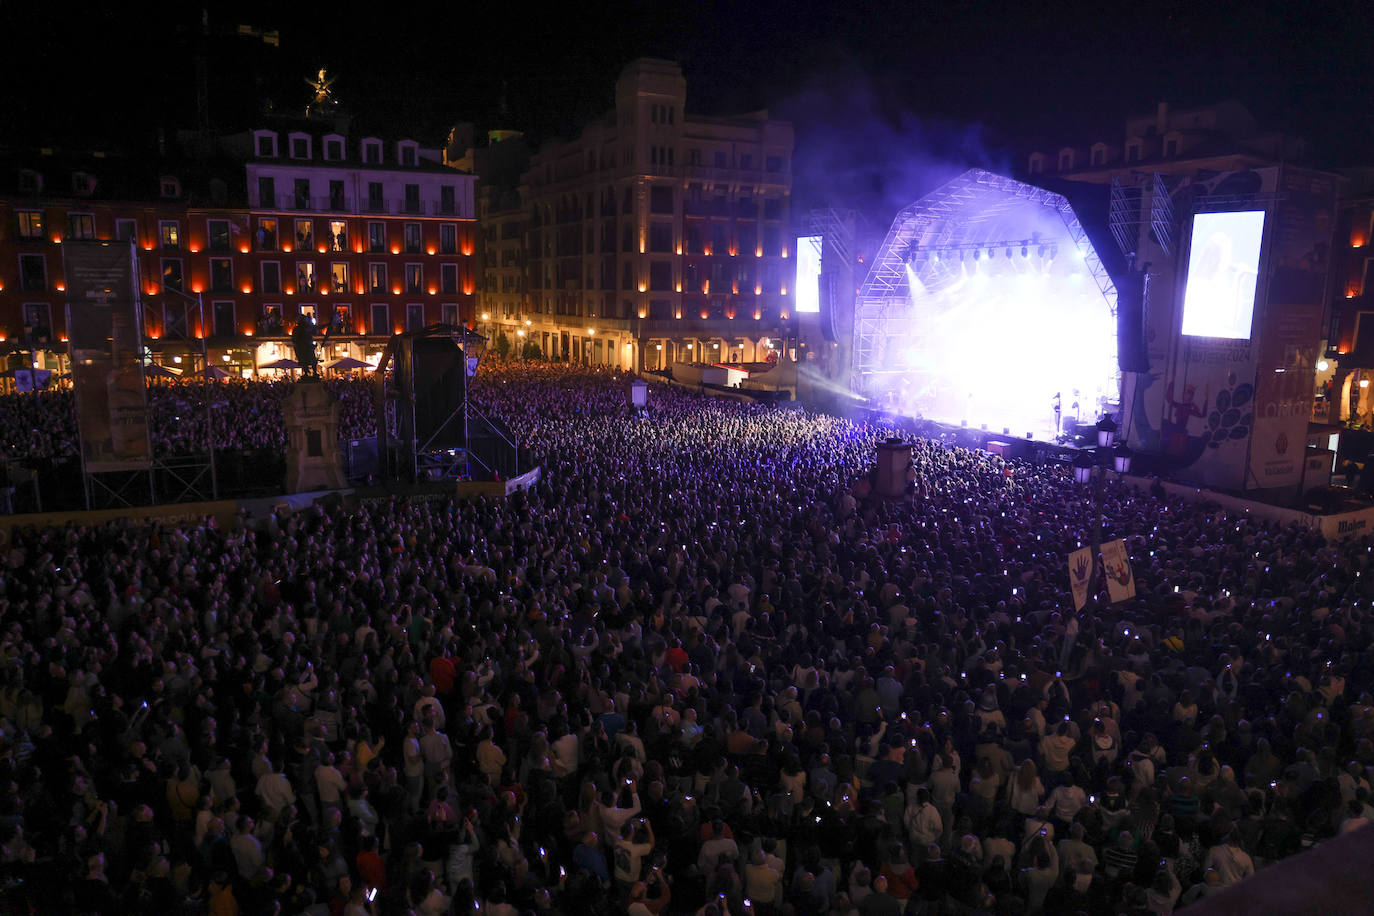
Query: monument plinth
(312, 438)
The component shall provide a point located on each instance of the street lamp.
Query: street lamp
(1106, 432)
(1121, 458)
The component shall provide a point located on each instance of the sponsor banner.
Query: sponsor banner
(1289, 327)
(1116, 565)
(1080, 571)
(105, 333)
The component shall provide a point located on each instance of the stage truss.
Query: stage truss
(976, 215)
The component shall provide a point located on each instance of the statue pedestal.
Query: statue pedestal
(312, 438)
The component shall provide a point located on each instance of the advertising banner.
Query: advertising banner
(105, 331)
(1289, 327)
(1195, 408)
(1117, 566)
(1080, 569)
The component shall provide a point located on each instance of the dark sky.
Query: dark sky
(956, 82)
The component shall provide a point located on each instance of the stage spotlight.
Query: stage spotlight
(977, 254)
(1006, 430)
(1042, 251)
(1008, 251)
(1025, 251)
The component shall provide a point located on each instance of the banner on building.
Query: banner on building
(1116, 565)
(1289, 327)
(105, 333)
(1080, 571)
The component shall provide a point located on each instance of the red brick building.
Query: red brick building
(367, 235)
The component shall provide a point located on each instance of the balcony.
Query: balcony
(290, 203)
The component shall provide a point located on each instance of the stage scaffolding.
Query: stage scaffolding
(975, 212)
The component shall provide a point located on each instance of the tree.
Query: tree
(502, 344)
(532, 350)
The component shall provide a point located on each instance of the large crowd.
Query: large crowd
(697, 669)
(244, 415)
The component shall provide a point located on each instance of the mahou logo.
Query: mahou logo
(1281, 444)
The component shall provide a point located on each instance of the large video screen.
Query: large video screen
(1223, 265)
(808, 292)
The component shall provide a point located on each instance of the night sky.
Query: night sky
(884, 93)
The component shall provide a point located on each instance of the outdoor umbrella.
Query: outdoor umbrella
(153, 370)
(282, 364)
(348, 362)
(215, 372)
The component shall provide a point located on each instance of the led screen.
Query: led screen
(808, 274)
(1223, 264)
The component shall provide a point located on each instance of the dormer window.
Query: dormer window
(300, 146)
(1065, 160)
(266, 142)
(372, 152)
(30, 182)
(1134, 151)
(333, 149)
(82, 183)
(1036, 165)
(407, 153)
(170, 186)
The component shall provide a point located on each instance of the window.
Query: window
(415, 278)
(450, 313)
(301, 193)
(338, 277)
(448, 238)
(38, 315)
(30, 224)
(627, 278)
(171, 274)
(1170, 148)
(80, 226)
(343, 318)
(333, 149)
(267, 234)
(694, 156)
(223, 317)
(773, 163)
(660, 276)
(372, 152)
(170, 186)
(1065, 160)
(30, 182)
(221, 275)
(448, 278)
(376, 278)
(300, 147)
(380, 323)
(338, 235)
(374, 197)
(412, 238)
(415, 316)
(746, 161)
(629, 205)
(33, 272)
(305, 276)
(1133, 152)
(721, 159)
(267, 145)
(305, 234)
(267, 192)
(407, 156)
(412, 201)
(661, 199)
(661, 238)
(82, 183)
(217, 235)
(447, 200)
(126, 230)
(271, 276)
(171, 234)
(271, 319)
(376, 237)
(308, 310)
(337, 201)
(627, 238)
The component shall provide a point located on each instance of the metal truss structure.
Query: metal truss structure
(976, 211)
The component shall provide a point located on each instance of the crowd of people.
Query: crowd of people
(696, 669)
(246, 415)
